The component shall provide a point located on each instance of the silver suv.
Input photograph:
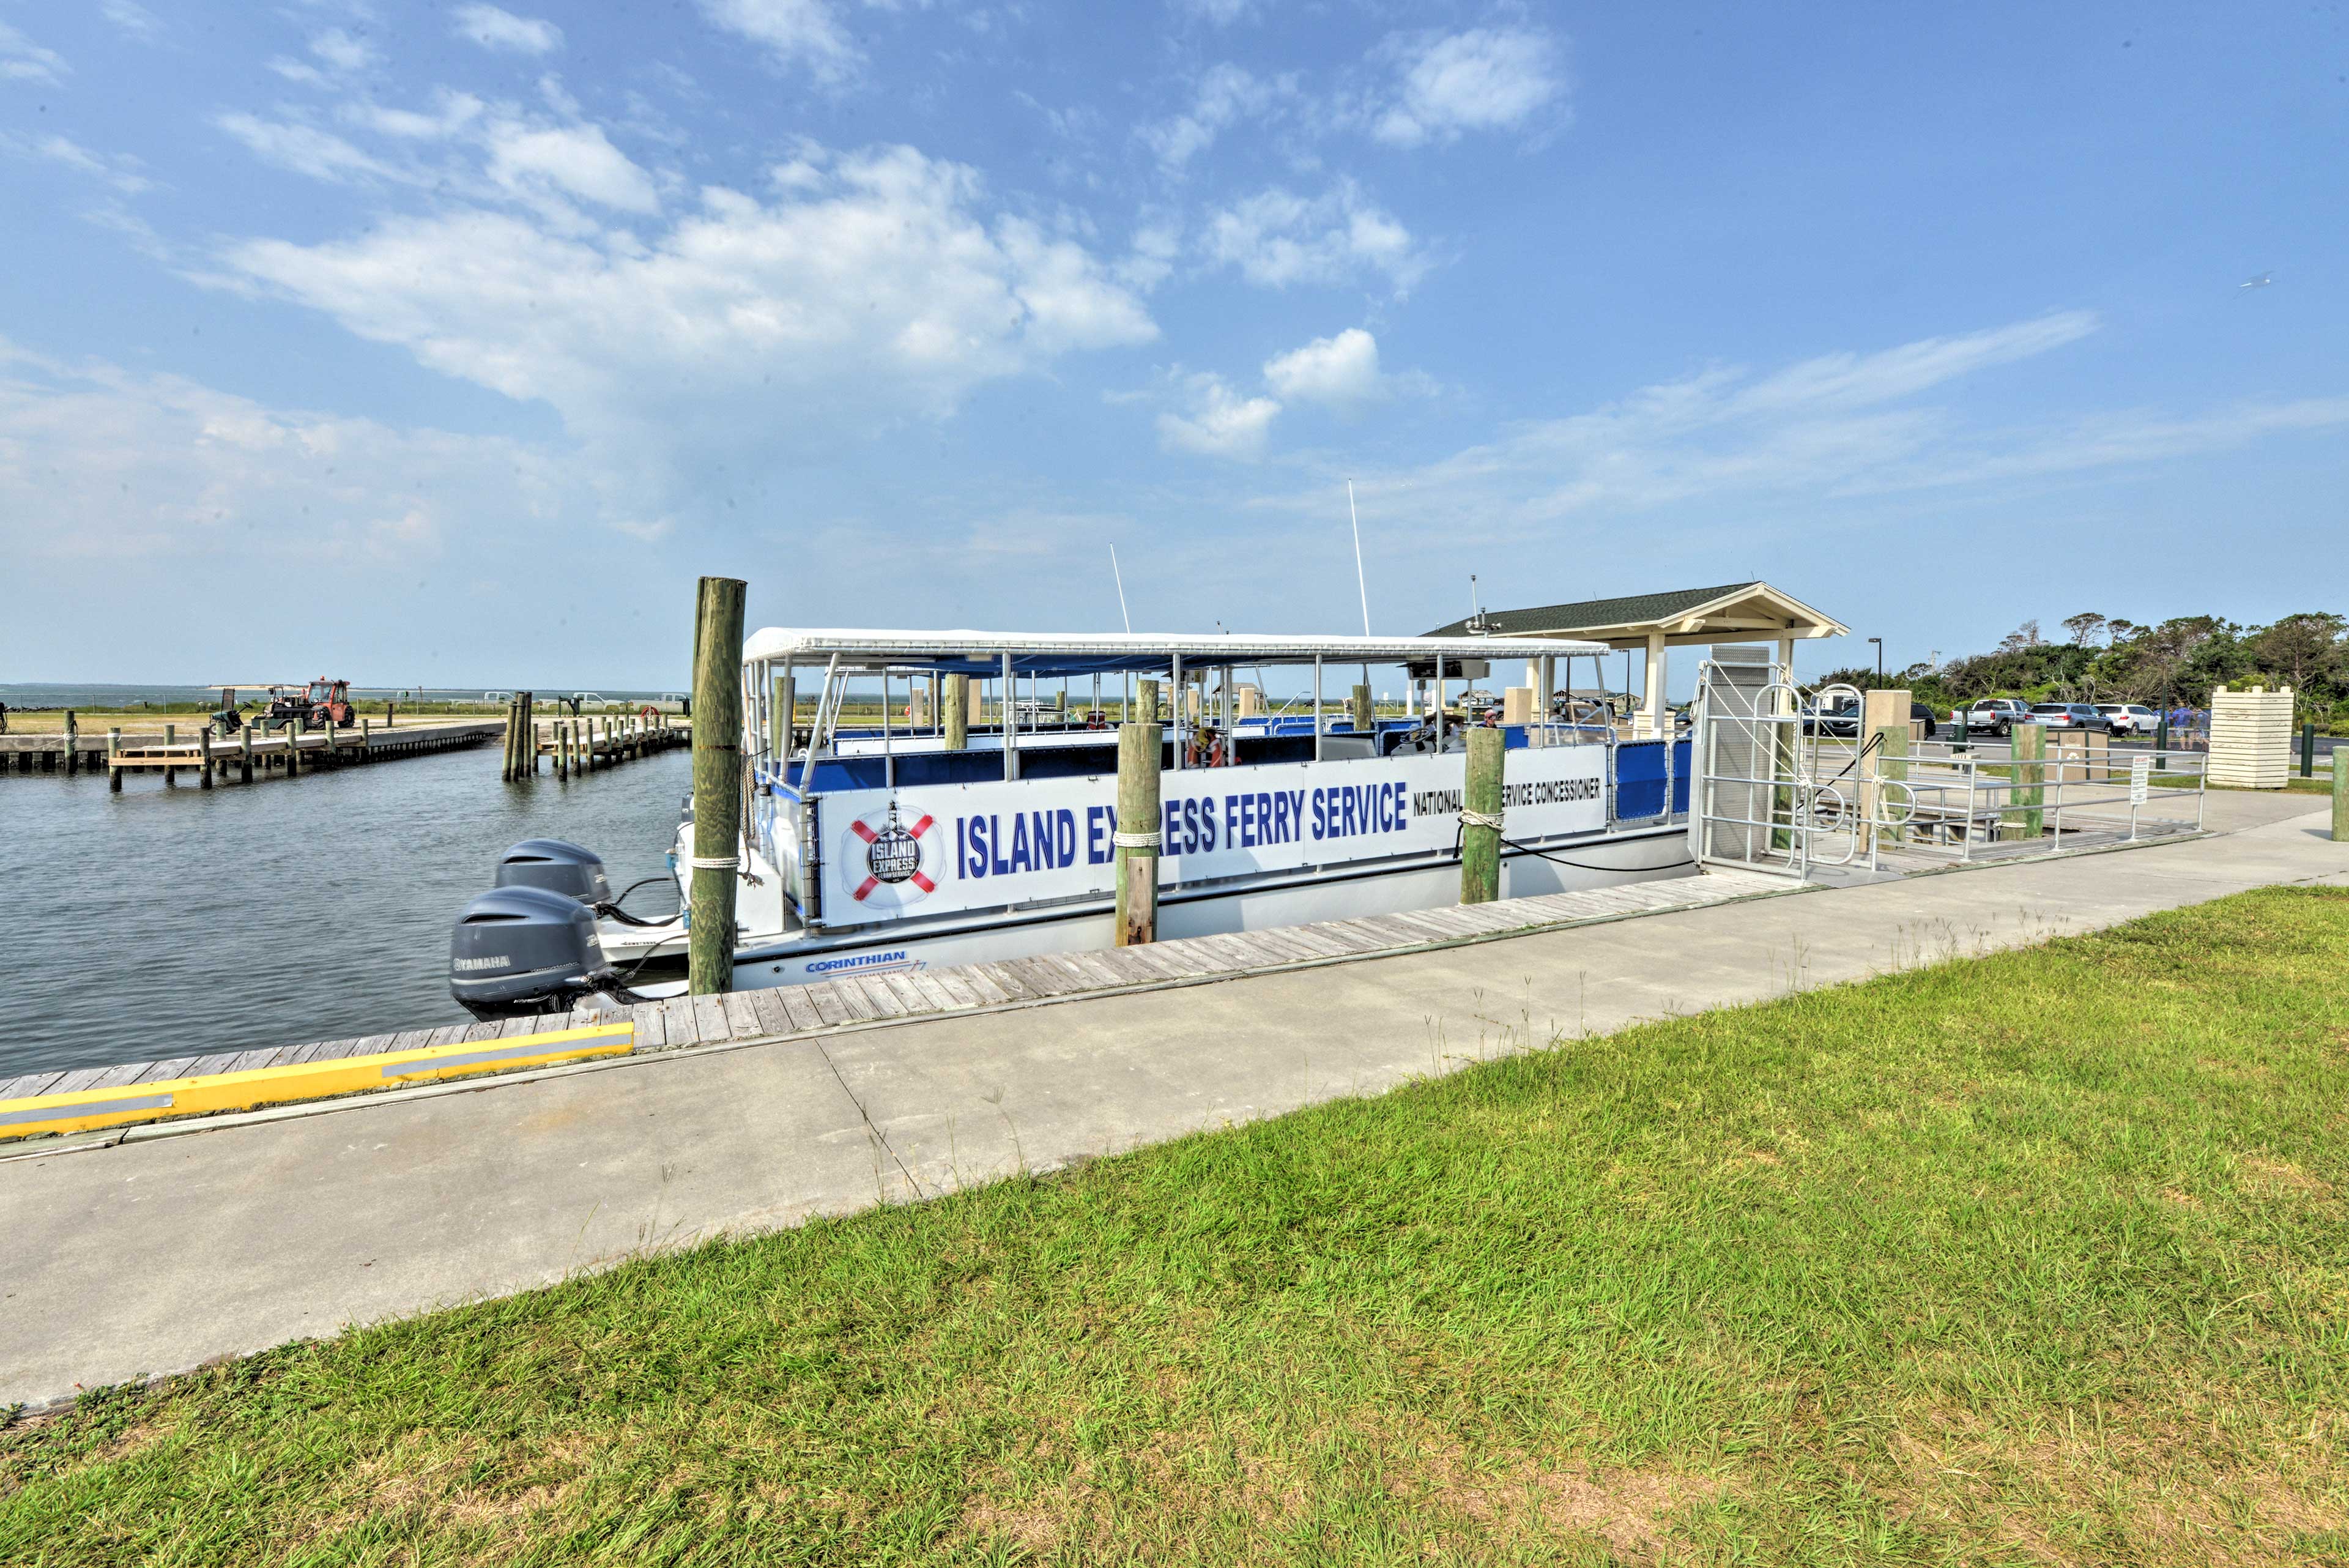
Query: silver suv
(1999, 715)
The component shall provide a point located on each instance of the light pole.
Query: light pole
(1879, 658)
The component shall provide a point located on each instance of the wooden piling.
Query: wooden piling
(1138, 828)
(1365, 720)
(958, 707)
(204, 754)
(245, 753)
(367, 740)
(73, 743)
(1480, 818)
(171, 738)
(716, 782)
(2025, 817)
(113, 774)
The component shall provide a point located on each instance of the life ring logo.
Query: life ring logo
(901, 862)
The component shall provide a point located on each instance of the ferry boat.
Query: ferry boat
(875, 847)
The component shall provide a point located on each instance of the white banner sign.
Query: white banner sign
(936, 849)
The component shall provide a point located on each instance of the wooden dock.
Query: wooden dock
(288, 753)
(591, 742)
(854, 1001)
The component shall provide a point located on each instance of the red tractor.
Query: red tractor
(323, 705)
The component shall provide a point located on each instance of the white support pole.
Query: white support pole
(1317, 707)
(1652, 699)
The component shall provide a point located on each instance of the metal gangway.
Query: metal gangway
(1784, 783)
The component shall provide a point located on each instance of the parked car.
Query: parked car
(2130, 718)
(1998, 715)
(2068, 716)
(1843, 721)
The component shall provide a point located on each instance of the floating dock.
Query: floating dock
(95, 1098)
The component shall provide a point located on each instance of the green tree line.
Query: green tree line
(2111, 660)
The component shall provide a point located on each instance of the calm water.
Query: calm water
(167, 923)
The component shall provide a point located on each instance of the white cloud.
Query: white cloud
(23, 60)
(496, 29)
(119, 171)
(1834, 427)
(1217, 13)
(1221, 422)
(875, 288)
(1339, 372)
(139, 470)
(1276, 238)
(132, 19)
(577, 160)
(304, 150)
(341, 51)
(1226, 94)
(1486, 78)
(801, 33)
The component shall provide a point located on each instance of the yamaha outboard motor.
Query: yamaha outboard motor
(558, 867)
(519, 951)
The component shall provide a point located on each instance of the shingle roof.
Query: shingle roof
(1634, 610)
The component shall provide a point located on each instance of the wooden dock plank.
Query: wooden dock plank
(1129, 968)
(1040, 978)
(1097, 970)
(852, 999)
(941, 996)
(742, 1015)
(988, 987)
(412, 1040)
(773, 1018)
(27, 1085)
(825, 998)
(1000, 978)
(1279, 945)
(76, 1081)
(800, 1008)
(914, 1000)
(684, 1023)
(652, 1025)
(710, 1018)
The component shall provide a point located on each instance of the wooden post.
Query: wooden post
(244, 755)
(113, 774)
(957, 706)
(171, 739)
(292, 734)
(2340, 795)
(505, 762)
(1137, 819)
(1145, 701)
(204, 751)
(367, 740)
(563, 748)
(1365, 721)
(716, 782)
(2025, 816)
(2308, 750)
(1480, 818)
(73, 744)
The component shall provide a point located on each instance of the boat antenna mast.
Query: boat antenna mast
(1360, 586)
(1121, 590)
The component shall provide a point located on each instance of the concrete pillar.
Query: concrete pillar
(1652, 699)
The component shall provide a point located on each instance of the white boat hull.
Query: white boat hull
(1603, 863)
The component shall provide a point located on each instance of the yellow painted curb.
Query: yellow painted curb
(87, 1110)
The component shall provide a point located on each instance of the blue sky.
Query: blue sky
(451, 343)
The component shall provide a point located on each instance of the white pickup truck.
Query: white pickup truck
(1998, 715)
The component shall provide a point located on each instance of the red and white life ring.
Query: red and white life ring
(891, 863)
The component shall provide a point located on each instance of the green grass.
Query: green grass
(2035, 1257)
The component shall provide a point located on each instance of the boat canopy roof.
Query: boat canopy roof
(1086, 653)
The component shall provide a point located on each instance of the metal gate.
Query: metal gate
(1763, 797)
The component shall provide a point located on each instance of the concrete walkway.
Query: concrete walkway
(150, 1257)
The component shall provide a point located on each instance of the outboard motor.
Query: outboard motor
(519, 951)
(558, 867)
